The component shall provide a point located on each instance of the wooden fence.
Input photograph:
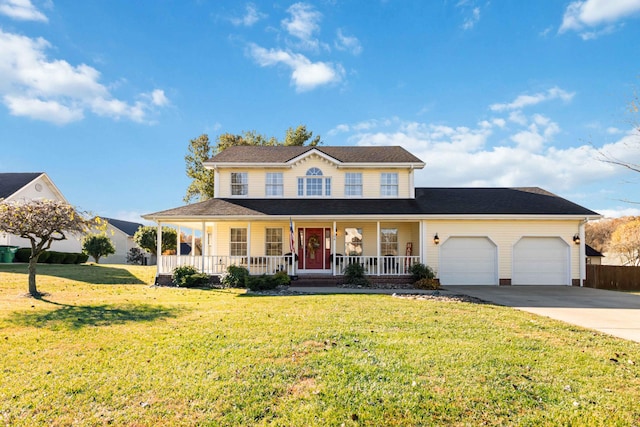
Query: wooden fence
(613, 277)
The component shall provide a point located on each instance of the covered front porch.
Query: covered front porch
(303, 247)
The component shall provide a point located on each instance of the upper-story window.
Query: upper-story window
(239, 183)
(353, 184)
(314, 184)
(274, 184)
(389, 185)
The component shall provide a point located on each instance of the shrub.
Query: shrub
(23, 254)
(235, 277)
(282, 278)
(135, 256)
(427, 283)
(82, 258)
(181, 273)
(56, 257)
(70, 258)
(354, 275)
(261, 283)
(44, 256)
(420, 271)
(197, 280)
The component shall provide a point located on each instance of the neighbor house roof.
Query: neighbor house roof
(11, 182)
(589, 251)
(284, 154)
(127, 227)
(428, 201)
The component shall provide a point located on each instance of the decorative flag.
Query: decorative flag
(292, 246)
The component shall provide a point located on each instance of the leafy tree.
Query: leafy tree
(97, 246)
(598, 233)
(43, 222)
(200, 150)
(625, 241)
(146, 237)
(201, 188)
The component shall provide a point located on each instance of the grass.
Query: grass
(95, 352)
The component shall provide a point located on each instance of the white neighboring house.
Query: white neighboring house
(121, 234)
(33, 186)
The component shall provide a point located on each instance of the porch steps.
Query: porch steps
(316, 281)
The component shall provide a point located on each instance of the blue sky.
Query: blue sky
(104, 96)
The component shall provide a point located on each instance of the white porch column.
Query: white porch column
(583, 255)
(159, 247)
(333, 248)
(203, 240)
(249, 246)
(379, 261)
(423, 242)
(178, 248)
(293, 235)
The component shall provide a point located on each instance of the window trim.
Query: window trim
(350, 184)
(244, 185)
(392, 231)
(268, 242)
(386, 185)
(279, 184)
(238, 242)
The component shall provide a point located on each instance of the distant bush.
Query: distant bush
(56, 257)
(354, 274)
(135, 256)
(23, 254)
(261, 283)
(70, 258)
(82, 258)
(426, 283)
(44, 256)
(187, 276)
(234, 277)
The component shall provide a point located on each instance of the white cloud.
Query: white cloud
(251, 17)
(21, 10)
(472, 19)
(618, 212)
(528, 100)
(592, 13)
(347, 43)
(305, 75)
(32, 85)
(303, 24)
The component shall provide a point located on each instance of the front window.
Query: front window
(274, 184)
(353, 184)
(313, 184)
(273, 242)
(389, 241)
(238, 245)
(239, 183)
(353, 241)
(389, 185)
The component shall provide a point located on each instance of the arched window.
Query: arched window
(313, 184)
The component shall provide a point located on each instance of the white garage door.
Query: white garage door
(468, 261)
(541, 261)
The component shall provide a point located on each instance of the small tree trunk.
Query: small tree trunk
(33, 290)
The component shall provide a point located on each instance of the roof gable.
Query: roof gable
(10, 183)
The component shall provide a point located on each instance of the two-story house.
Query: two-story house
(313, 210)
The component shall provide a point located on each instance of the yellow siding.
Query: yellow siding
(257, 179)
(505, 234)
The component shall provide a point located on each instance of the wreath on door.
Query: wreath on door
(312, 245)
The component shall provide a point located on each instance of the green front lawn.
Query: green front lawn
(106, 348)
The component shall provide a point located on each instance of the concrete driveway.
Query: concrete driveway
(610, 312)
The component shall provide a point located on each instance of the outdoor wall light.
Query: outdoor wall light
(576, 239)
(436, 239)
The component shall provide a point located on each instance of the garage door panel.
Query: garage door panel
(468, 261)
(541, 261)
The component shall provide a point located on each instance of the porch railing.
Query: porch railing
(217, 265)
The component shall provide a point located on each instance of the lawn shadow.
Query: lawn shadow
(87, 273)
(78, 317)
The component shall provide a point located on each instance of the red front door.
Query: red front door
(312, 254)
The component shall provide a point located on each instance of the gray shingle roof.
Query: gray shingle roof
(428, 201)
(11, 182)
(282, 154)
(127, 227)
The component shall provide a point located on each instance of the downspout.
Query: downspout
(583, 254)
